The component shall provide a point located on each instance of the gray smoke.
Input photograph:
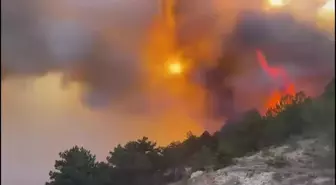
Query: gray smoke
(304, 50)
(285, 39)
(94, 43)
(99, 43)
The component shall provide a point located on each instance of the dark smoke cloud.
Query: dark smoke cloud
(285, 39)
(99, 43)
(304, 50)
(94, 43)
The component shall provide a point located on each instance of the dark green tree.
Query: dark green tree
(202, 159)
(329, 90)
(77, 166)
(285, 119)
(237, 138)
(320, 114)
(136, 155)
(174, 155)
(138, 160)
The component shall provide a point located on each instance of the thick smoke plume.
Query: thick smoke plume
(94, 43)
(306, 52)
(233, 31)
(101, 44)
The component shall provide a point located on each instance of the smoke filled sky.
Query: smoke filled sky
(39, 119)
(44, 113)
(83, 72)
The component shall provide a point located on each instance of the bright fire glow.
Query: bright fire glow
(276, 3)
(276, 73)
(174, 66)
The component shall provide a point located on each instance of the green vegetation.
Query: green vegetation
(142, 162)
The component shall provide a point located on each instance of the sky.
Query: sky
(40, 119)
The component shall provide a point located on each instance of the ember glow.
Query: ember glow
(277, 75)
(174, 66)
(276, 3)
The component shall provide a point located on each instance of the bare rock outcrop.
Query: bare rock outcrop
(303, 162)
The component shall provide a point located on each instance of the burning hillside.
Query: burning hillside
(277, 74)
(277, 32)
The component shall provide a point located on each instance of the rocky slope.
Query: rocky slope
(303, 162)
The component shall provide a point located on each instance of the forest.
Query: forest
(143, 162)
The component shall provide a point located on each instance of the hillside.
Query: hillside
(292, 144)
(303, 161)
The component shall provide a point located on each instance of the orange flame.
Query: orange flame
(276, 73)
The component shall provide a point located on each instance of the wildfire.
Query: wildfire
(277, 74)
(276, 3)
(174, 66)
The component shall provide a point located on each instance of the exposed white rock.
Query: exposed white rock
(297, 167)
(196, 174)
